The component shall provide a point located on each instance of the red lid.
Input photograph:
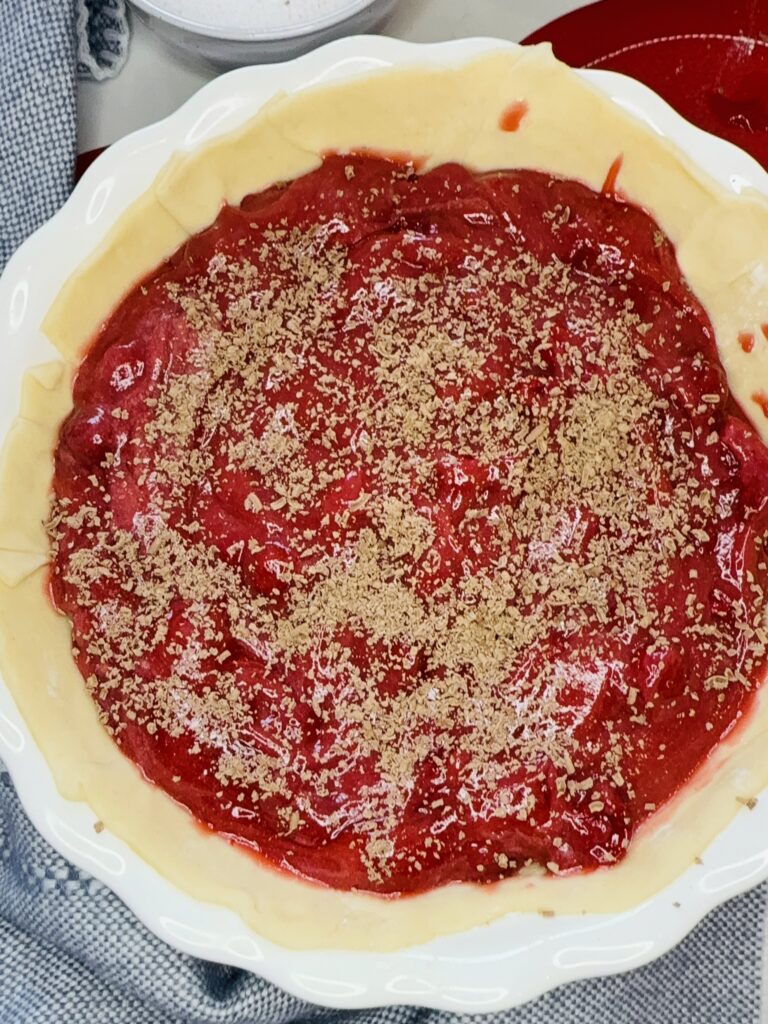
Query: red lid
(708, 58)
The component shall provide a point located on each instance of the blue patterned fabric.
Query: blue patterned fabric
(70, 951)
(102, 37)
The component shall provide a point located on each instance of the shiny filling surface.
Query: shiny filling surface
(407, 529)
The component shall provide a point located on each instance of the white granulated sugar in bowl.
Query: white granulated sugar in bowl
(257, 17)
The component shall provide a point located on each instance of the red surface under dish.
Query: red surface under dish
(707, 58)
(625, 691)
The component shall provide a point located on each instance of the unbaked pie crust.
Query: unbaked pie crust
(439, 115)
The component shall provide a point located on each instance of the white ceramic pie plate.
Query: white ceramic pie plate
(491, 968)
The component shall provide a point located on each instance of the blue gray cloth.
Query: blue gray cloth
(37, 114)
(70, 951)
(44, 45)
(102, 38)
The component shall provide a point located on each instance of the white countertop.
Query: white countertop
(156, 80)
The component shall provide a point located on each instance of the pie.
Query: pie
(398, 510)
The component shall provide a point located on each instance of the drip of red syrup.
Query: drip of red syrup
(513, 115)
(609, 185)
(747, 340)
(760, 398)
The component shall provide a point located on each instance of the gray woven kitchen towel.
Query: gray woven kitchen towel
(70, 952)
(44, 44)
